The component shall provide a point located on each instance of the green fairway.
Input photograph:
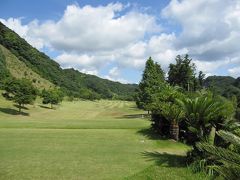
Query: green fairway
(85, 140)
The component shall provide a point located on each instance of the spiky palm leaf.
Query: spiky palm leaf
(228, 160)
(200, 112)
(229, 137)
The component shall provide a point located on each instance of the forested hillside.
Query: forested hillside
(224, 85)
(71, 81)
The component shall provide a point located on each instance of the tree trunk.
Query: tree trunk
(19, 107)
(174, 130)
(51, 106)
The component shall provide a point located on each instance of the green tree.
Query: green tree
(201, 77)
(53, 97)
(153, 77)
(21, 91)
(4, 72)
(182, 73)
(167, 106)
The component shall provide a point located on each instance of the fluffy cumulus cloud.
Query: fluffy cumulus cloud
(24, 31)
(88, 29)
(116, 35)
(235, 72)
(114, 74)
(210, 30)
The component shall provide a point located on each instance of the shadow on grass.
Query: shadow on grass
(22, 107)
(133, 108)
(134, 116)
(46, 107)
(13, 112)
(165, 159)
(151, 134)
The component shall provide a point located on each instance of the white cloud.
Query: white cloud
(210, 66)
(162, 49)
(121, 80)
(86, 29)
(90, 38)
(24, 31)
(16, 25)
(235, 72)
(89, 64)
(114, 72)
(92, 72)
(210, 28)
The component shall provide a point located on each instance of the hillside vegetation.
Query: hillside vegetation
(71, 81)
(223, 85)
(19, 70)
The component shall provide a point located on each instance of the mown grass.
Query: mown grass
(86, 140)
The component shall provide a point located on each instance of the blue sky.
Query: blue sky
(113, 39)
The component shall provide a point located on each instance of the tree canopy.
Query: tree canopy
(182, 73)
(152, 78)
(21, 91)
(53, 96)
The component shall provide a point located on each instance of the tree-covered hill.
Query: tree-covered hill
(224, 85)
(71, 81)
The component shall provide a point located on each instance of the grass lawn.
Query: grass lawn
(85, 140)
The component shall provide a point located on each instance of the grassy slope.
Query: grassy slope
(85, 140)
(17, 69)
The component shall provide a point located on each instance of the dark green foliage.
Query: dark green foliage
(182, 73)
(226, 86)
(200, 115)
(53, 96)
(204, 112)
(237, 82)
(4, 73)
(34, 80)
(201, 78)
(70, 80)
(225, 161)
(166, 106)
(153, 77)
(20, 91)
(218, 84)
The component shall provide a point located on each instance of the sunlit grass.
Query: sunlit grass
(85, 140)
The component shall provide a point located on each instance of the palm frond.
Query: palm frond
(229, 137)
(221, 154)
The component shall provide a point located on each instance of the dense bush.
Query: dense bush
(194, 115)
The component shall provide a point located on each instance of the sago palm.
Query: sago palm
(170, 109)
(174, 115)
(226, 160)
(199, 113)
